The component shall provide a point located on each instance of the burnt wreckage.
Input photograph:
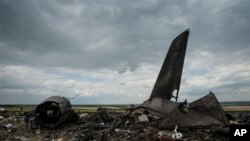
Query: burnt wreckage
(54, 111)
(203, 112)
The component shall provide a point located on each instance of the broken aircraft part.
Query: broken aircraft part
(169, 78)
(205, 111)
(54, 111)
(200, 113)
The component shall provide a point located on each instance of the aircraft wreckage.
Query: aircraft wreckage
(203, 112)
(53, 112)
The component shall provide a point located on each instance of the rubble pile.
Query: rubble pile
(105, 125)
(236, 117)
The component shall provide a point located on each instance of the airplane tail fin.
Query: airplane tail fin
(169, 78)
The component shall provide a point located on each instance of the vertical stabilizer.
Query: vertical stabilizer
(169, 78)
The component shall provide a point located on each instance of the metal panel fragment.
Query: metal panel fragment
(202, 113)
(209, 105)
(157, 106)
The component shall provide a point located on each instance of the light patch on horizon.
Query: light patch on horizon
(22, 81)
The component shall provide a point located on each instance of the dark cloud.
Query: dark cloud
(95, 34)
(24, 27)
(122, 36)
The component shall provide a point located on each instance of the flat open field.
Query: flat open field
(236, 108)
(80, 108)
(93, 108)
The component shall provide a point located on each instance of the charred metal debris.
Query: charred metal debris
(53, 112)
(203, 112)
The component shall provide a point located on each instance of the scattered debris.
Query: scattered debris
(142, 118)
(119, 126)
(21, 138)
(9, 127)
(165, 136)
(83, 115)
(2, 109)
(176, 135)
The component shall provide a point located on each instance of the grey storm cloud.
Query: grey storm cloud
(121, 37)
(97, 34)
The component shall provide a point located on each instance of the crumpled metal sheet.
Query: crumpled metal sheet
(202, 113)
(209, 105)
(157, 106)
(54, 111)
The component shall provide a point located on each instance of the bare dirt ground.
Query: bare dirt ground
(97, 126)
(236, 108)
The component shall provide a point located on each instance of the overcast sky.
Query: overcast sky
(111, 51)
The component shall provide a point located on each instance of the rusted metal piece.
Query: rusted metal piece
(54, 111)
(201, 113)
(169, 78)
